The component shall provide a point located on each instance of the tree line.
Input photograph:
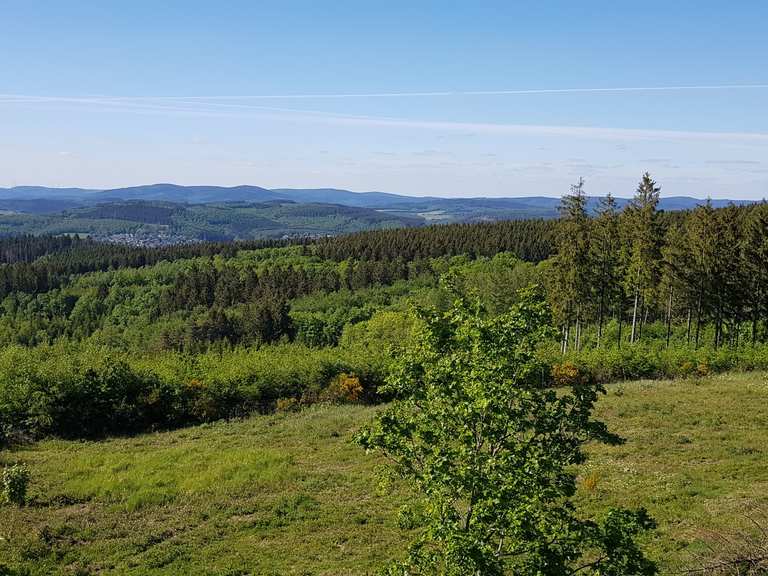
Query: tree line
(530, 240)
(37, 264)
(703, 267)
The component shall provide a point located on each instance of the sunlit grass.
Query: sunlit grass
(290, 494)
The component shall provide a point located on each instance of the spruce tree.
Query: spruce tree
(573, 264)
(642, 272)
(604, 254)
(755, 263)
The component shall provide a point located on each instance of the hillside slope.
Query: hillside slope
(289, 494)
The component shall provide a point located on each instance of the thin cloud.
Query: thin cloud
(186, 106)
(733, 162)
(423, 94)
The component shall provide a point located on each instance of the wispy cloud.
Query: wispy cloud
(733, 162)
(440, 93)
(191, 106)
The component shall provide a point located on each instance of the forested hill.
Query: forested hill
(163, 223)
(36, 264)
(104, 334)
(36, 200)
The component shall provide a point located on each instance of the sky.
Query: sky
(474, 98)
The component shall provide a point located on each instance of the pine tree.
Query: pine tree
(676, 274)
(572, 267)
(642, 225)
(729, 277)
(701, 243)
(755, 263)
(604, 254)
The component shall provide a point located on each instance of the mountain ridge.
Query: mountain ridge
(207, 194)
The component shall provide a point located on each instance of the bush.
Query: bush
(565, 374)
(651, 360)
(286, 405)
(80, 391)
(15, 481)
(344, 388)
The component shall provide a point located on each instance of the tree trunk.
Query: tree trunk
(643, 318)
(718, 327)
(669, 317)
(577, 343)
(755, 313)
(600, 311)
(698, 321)
(567, 336)
(634, 315)
(620, 316)
(578, 336)
(562, 339)
(688, 328)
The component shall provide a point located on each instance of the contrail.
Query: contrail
(446, 93)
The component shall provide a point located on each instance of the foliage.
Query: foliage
(344, 388)
(488, 449)
(87, 392)
(653, 359)
(15, 480)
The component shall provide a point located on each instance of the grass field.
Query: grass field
(289, 494)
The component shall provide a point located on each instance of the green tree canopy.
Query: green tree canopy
(489, 450)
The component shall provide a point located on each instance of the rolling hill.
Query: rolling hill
(178, 213)
(162, 222)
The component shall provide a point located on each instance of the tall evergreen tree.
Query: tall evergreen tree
(604, 254)
(676, 275)
(572, 264)
(755, 263)
(700, 230)
(644, 234)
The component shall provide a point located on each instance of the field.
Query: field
(290, 494)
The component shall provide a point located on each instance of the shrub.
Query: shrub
(565, 374)
(15, 481)
(286, 405)
(344, 388)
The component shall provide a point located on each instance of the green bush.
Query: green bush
(15, 481)
(82, 391)
(654, 360)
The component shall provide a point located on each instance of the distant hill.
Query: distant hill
(188, 194)
(38, 205)
(343, 210)
(162, 222)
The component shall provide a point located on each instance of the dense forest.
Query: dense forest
(129, 338)
(705, 266)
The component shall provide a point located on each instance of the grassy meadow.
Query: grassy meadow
(290, 494)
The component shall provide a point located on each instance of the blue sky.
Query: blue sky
(446, 98)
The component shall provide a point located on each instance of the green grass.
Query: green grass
(289, 494)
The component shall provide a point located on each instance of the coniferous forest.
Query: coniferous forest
(102, 338)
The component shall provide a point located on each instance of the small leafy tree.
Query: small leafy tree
(489, 450)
